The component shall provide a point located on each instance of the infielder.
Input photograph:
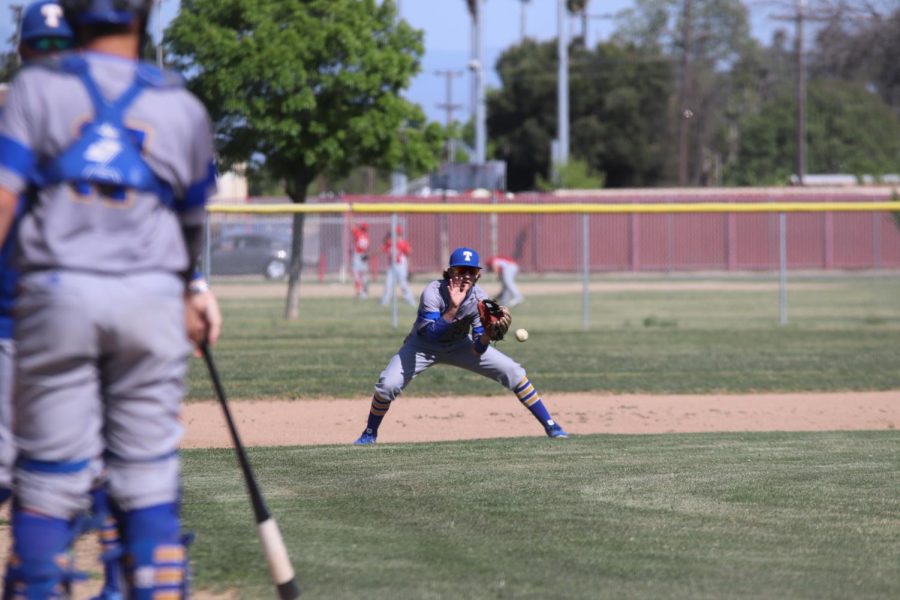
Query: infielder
(359, 259)
(449, 309)
(117, 160)
(506, 270)
(397, 273)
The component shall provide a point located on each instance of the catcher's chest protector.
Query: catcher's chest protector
(108, 154)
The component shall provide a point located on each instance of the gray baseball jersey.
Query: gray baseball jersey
(45, 111)
(101, 344)
(452, 345)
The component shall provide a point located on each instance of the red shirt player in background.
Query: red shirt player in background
(397, 274)
(359, 259)
(506, 269)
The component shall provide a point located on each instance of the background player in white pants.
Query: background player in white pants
(359, 259)
(506, 269)
(448, 311)
(43, 32)
(397, 272)
(106, 248)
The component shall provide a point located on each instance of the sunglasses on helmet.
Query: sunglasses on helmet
(50, 44)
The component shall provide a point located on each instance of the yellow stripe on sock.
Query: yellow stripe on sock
(524, 393)
(169, 576)
(169, 554)
(531, 400)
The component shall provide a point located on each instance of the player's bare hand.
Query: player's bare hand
(203, 317)
(458, 291)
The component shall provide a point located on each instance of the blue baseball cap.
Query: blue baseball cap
(106, 12)
(464, 257)
(44, 19)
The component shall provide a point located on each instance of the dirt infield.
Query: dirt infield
(305, 422)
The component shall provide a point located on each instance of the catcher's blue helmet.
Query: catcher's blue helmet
(464, 257)
(106, 12)
(44, 19)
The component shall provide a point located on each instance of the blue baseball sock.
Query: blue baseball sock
(528, 396)
(376, 413)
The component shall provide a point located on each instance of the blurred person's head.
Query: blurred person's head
(113, 24)
(44, 30)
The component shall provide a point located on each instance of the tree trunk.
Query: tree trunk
(297, 193)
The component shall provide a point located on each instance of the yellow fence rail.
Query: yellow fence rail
(562, 208)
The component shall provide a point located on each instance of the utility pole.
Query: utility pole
(800, 17)
(398, 176)
(562, 86)
(449, 107)
(522, 20)
(800, 127)
(476, 66)
(159, 34)
(685, 114)
(17, 10)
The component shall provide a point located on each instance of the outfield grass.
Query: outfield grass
(762, 515)
(842, 335)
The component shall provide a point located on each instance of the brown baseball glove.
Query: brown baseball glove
(495, 318)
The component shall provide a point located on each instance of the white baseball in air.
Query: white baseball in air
(521, 334)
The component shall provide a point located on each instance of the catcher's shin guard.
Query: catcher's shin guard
(107, 526)
(40, 566)
(155, 554)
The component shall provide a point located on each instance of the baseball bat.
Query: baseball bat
(269, 535)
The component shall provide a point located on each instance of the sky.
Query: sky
(447, 27)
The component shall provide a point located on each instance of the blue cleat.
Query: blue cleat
(555, 431)
(367, 438)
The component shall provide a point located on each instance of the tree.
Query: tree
(9, 60)
(618, 106)
(308, 87)
(861, 43)
(705, 38)
(850, 130)
(573, 175)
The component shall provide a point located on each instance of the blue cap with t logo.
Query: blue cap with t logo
(464, 257)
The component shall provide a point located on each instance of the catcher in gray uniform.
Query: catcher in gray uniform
(449, 309)
(42, 32)
(115, 157)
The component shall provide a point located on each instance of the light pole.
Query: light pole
(522, 20)
(562, 86)
(159, 34)
(800, 127)
(476, 66)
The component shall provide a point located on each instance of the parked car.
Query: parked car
(250, 254)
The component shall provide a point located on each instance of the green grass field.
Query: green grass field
(761, 515)
(842, 335)
(679, 516)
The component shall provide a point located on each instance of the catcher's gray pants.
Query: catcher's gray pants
(100, 368)
(416, 355)
(7, 444)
